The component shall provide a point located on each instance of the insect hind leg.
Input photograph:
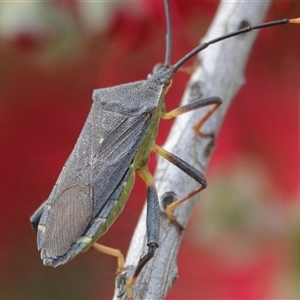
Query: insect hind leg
(189, 170)
(142, 262)
(152, 225)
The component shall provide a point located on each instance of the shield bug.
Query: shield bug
(115, 143)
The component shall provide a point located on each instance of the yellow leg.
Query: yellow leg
(193, 106)
(117, 253)
(145, 175)
(114, 252)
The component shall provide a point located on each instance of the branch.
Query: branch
(220, 73)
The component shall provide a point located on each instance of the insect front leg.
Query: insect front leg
(189, 170)
(152, 225)
(193, 106)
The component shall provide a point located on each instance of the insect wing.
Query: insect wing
(101, 157)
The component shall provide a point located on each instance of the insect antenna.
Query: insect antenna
(168, 34)
(229, 35)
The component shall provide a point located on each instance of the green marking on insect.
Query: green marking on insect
(98, 177)
(84, 239)
(42, 228)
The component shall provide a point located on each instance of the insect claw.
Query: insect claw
(178, 226)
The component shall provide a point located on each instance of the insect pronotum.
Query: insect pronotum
(115, 143)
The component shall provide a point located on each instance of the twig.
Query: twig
(220, 73)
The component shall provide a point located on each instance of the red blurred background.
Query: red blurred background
(243, 241)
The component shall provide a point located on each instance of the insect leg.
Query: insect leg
(152, 225)
(193, 106)
(35, 218)
(114, 252)
(189, 170)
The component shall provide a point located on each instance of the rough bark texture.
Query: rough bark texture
(220, 73)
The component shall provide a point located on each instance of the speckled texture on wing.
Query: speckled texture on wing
(111, 136)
